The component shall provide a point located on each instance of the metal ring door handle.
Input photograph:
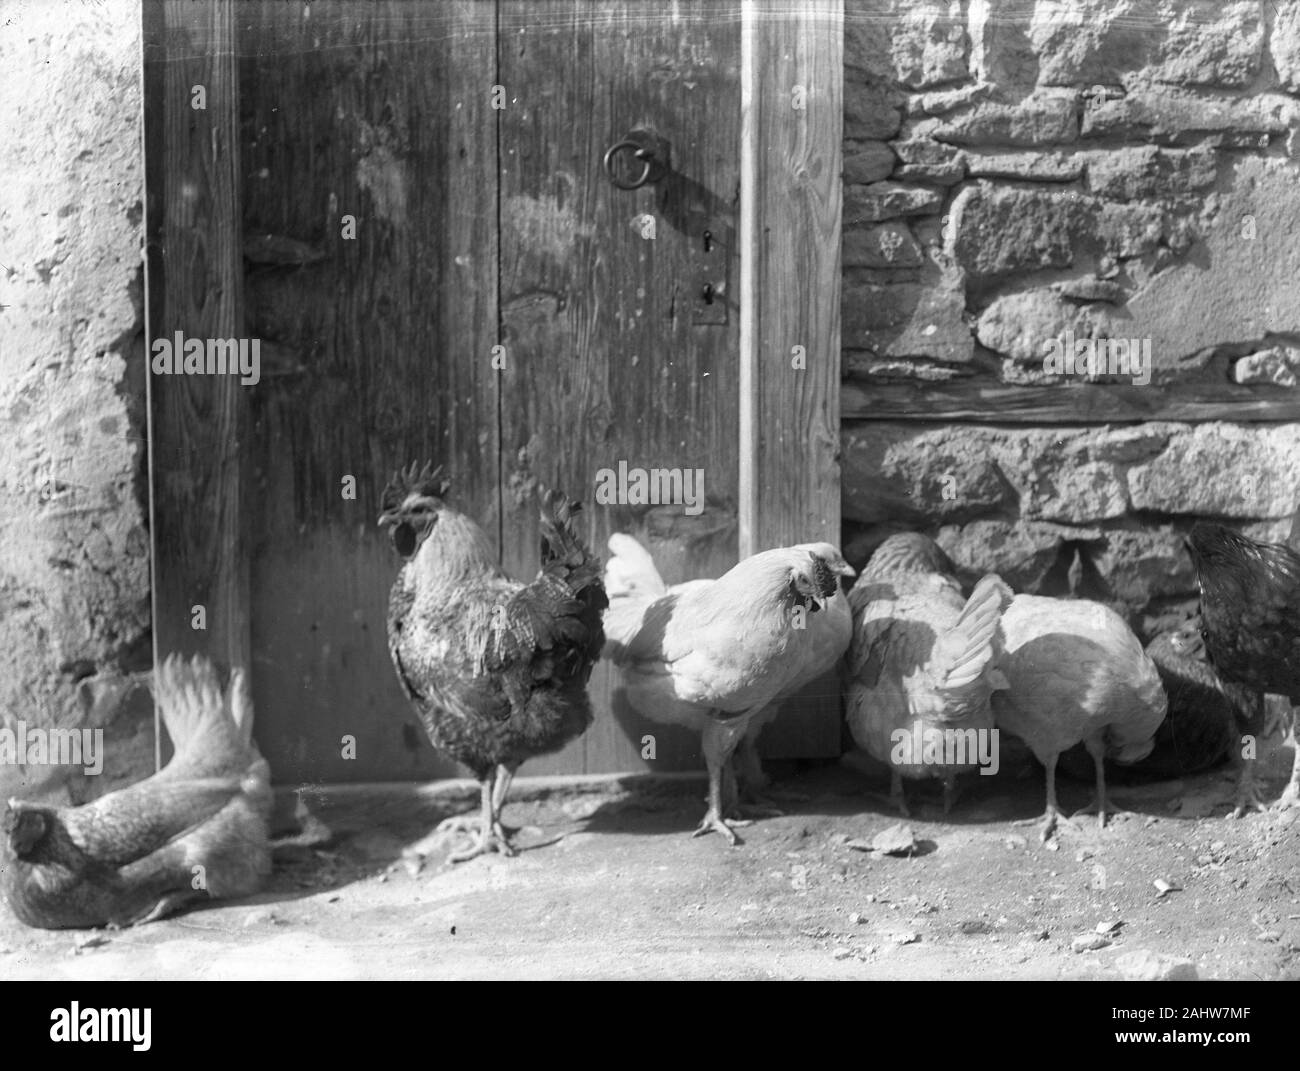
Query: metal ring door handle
(640, 152)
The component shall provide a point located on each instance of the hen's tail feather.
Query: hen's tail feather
(205, 724)
(966, 651)
(630, 571)
(633, 585)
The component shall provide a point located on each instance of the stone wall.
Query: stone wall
(74, 573)
(1018, 172)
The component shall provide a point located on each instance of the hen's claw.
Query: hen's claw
(715, 823)
(1049, 820)
(1101, 811)
(758, 807)
(1290, 797)
(1247, 795)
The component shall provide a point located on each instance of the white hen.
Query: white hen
(716, 656)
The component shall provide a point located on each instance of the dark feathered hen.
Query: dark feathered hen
(197, 829)
(1250, 614)
(497, 670)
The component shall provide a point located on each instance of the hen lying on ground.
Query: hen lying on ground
(497, 670)
(1075, 672)
(715, 655)
(195, 830)
(922, 664)
(1250, 618)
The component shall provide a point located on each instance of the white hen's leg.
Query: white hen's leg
(951, 792)
(1247, 799)
(719, 739)
(750, 766)
(1099, 792)
(896, 796)
(1052, 817)
(1100, 804)
(752, 780)
(1291, 794)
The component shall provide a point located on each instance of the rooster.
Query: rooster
(717, 655)
(923, 658)
(497, 670)
(1076, 673)
(1250, 618)
(197, 829)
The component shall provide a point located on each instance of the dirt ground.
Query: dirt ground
(611, 885)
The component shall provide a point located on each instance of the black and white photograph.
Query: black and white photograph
(651, 490)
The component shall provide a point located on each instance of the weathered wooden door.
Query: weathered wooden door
(440, 265)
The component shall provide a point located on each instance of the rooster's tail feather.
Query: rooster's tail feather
(566, 555)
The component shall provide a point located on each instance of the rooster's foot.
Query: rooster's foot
(494, 841)
(715, 823)
(458, 825)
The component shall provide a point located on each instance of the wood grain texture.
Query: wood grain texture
(380, 111)
(198, 422)
(798, 130)
(607, 361)
(983, 403)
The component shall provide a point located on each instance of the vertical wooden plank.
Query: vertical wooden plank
(611, 356)
(798, 119)
(198, 423)
(380, 111)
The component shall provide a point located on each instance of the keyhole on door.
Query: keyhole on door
(707, 293)
(708, 241)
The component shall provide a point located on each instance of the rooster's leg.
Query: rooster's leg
(720, 739)
(896, 796)
(505, 775)
(488, 838)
